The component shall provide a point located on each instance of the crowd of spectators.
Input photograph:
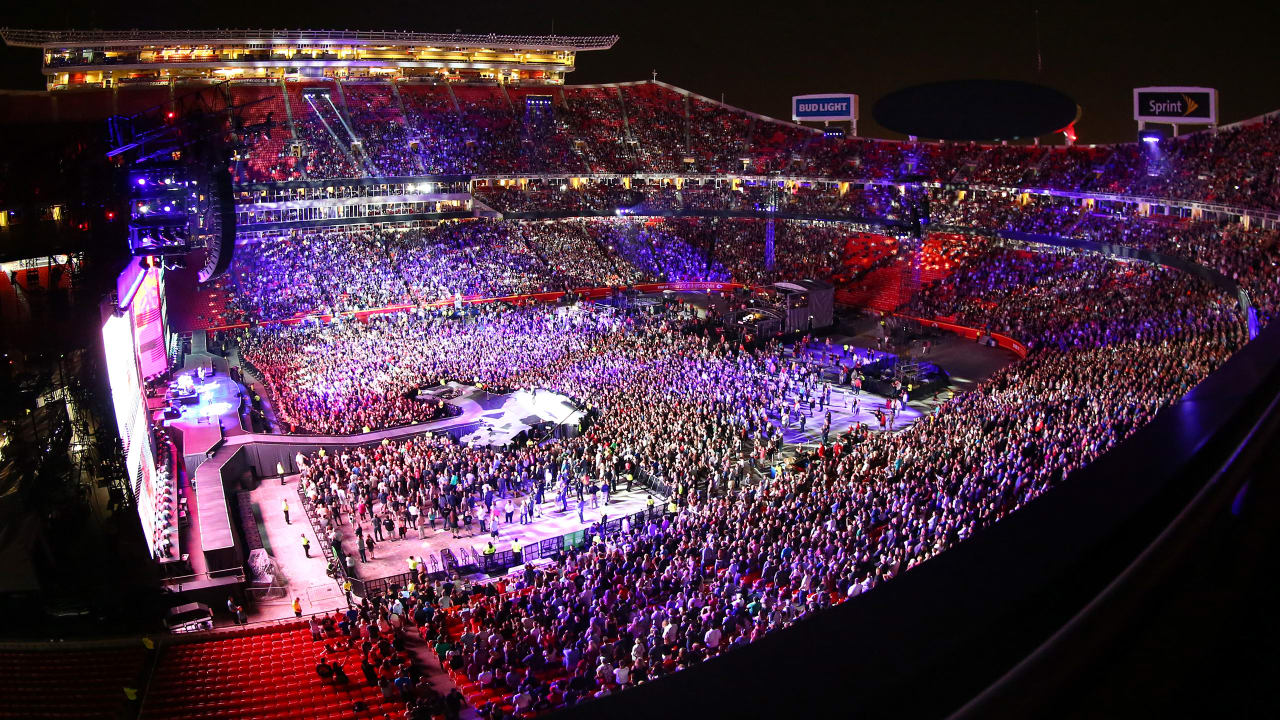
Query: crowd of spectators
(642, 375)
(378, 631)
(328, 146)
(352, 376)
(338, 270)
(746, 547)
(1067, 300)
(651, 128)
(736, 557)
(328, 271)
(308, 272)
(1248, 256)
(384, 132)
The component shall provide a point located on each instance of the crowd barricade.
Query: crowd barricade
(468, 560)
(377, 587)
(970, 333)
(448, 561)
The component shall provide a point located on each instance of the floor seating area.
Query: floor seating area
(82, 684)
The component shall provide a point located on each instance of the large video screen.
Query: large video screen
(131, 416)
(147, 314)
(122, 373)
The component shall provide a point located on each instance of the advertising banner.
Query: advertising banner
(826, 106)
(1176, 105)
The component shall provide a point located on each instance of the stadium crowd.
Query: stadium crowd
(649, 127)
(333, 271)
(745, 546)
(736, 558)
(743, 549)
(323, 272)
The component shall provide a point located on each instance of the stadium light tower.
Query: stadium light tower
(768, 226)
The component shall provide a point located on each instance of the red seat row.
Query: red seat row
(259, 674)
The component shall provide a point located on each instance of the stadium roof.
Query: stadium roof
(101, 38)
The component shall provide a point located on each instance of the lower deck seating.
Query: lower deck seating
(266, 674)
(85, 684)
(210, 309)
(880, 289)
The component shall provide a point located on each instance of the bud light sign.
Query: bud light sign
(1176, 105)
(824, 107)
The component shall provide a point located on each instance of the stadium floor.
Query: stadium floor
(966, 362)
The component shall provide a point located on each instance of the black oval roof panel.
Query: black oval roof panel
(976, 110)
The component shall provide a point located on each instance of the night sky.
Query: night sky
(759, 54)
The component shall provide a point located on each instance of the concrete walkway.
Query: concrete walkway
(304, 577)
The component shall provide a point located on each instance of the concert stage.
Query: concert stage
(890, 375)
(519, 412)
(212, 413)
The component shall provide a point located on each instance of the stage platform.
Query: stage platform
(391, 556)
(215, 412)
(506, 416)
(967, 364)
